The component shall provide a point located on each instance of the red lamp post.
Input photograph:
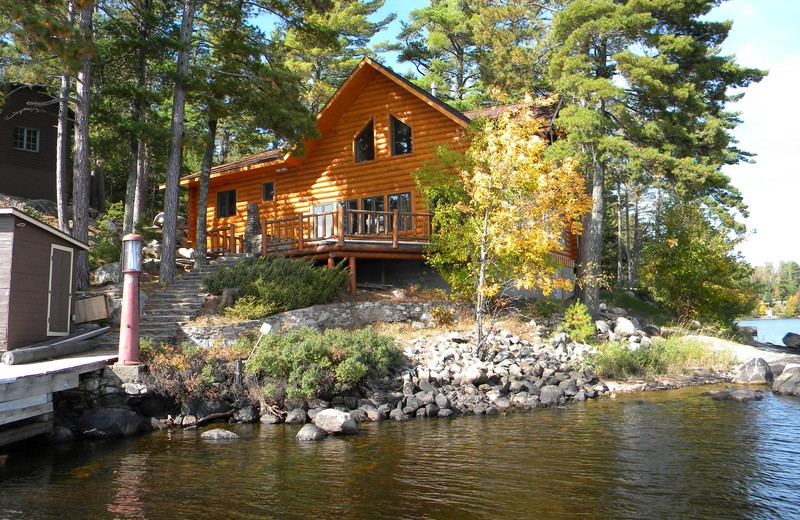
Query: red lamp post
(129, 322)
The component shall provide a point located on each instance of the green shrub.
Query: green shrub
(277, 284)
(675, 355)
(304, 363)
(577, 322)
(107, 241)
(544, 307)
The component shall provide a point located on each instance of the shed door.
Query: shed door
(59, 298)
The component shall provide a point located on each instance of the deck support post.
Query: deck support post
(331, 262)
(352, 265)
(300, 232)
(340, 229)
(395, 228)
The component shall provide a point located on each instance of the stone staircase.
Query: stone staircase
(167, 309)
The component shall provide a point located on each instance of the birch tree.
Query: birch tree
(501, 210)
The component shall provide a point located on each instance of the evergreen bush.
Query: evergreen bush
(276, 284)
(304, 363)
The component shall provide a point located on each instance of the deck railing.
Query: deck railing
(222, 240)
(345, 225)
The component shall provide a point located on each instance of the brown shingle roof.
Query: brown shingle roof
(245, 162)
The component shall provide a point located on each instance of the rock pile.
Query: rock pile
(615, 325)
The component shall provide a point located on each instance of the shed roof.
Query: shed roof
(50, 229)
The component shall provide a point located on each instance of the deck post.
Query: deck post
(352, 265)
(232, 239)
(340, 230)
(395, 228)
(331, 262)
(300, 232)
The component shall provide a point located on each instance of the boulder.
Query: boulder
(446, 413)
(109, 273)
(652, 330)
(742, 395)
(297, 416)
(311, 432)
(246, 414)
(473, 374)
(398, 415)
(229, 296)
(788, 383)
(754, 372)
(792, 340)
(109, 423)
(268, 418)
(552, 395)
(623, 327)
(336, 422)
(373, 413)
(601, 327)
(442, 401)
(218, 433)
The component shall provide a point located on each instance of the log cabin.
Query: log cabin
(352, 195)
(28, 136)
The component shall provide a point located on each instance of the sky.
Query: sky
(764, 36)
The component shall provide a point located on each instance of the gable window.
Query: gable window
(226, 203)
(267, 191)
(26, 139)
(401, 137)
(364, 144)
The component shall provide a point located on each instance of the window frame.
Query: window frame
(366, 132)
(393, 136)
(405, 223)
(263, 194)
(226, 204)
(25, 138)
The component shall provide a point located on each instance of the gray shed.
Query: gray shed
(37, 280)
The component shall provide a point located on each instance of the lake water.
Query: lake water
(773, 331)
(675, 454)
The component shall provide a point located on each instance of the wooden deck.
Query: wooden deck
(26, 392)
(348, 233)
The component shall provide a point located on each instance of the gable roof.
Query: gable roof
(41, 225)
(365, 71)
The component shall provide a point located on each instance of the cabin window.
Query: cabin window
(226, 203)
(373, 223)
(26, 139)
(351, 221)
(364, 145)
(267, 191)
(401, 137)
(323, 223)
(402, 203)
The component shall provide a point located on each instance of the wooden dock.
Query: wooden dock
(26, 392)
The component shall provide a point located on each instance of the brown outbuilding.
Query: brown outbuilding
(37, 280)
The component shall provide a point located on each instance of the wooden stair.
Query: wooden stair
(169, 308)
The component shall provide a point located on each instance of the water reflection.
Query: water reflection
(662, 455)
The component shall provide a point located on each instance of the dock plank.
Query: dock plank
(25, 431)
(27, 412)
(36, 385)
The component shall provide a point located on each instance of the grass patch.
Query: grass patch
(304, 363)
(671, 356)
(635, 306)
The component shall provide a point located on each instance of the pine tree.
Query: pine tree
(643, 80)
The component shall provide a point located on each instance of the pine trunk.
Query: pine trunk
(81, 174)
(62, 153)
(593, 241)
(202, 196)
(172, 188)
